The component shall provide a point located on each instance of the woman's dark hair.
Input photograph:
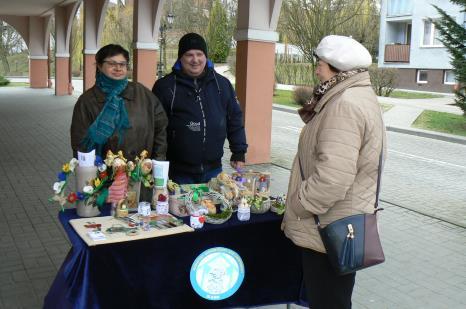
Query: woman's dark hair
(110, 50)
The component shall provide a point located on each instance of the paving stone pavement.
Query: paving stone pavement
(426, 258)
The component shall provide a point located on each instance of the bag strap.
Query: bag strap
(379, 176)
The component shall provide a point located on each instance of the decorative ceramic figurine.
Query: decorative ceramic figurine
(244, 210)
(262, 186)
(117, 191)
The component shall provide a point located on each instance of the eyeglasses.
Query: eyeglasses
(115, 64)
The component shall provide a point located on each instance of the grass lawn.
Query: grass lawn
(285, 97)
(441, 122)
(386, 107)
(413, 95)
(19, 84)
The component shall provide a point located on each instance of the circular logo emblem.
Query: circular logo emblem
(217, 273)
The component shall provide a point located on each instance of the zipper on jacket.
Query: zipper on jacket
(198, 98)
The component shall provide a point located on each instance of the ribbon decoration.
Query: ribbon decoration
(198, 191)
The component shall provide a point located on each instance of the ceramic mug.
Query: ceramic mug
(196, 222)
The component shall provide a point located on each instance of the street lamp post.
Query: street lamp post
(163, 41)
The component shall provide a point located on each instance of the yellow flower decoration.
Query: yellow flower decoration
(66, 168)
(96, 182)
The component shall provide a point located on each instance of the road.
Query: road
(421, 174)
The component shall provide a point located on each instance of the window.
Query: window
(431, 35)
(449, 77)
(399, 7)
(421, 77)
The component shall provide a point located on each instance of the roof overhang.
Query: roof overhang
(30, 7)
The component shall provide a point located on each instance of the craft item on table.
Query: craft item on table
(277, 204)
(119, 235)
(91, 185)
(122, 209)
(244, 210)
(240, 181)
(196, 207)
(160, 173)
(93, 225)
(144, 215)
(130, 221)
(139, 172)
(209, 204)
(161, 207)
(118, 189)
(146, 173)
(198, 192)
(173, 187)
(86, 159)
(177, 205)
(253, 183)
(259, 204)
(165, 222)
(245, 184)
(250, 183)
(155, 195)
(118, 228)
(86, 181)
(132, 196)
(224, 184)
(262, 186)
(143, 170)
(196, 220)
(96, 235)
(199, 187)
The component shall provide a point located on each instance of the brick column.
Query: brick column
(255, 63)
(38, 71)
(146, 24)
(89, 71)
(62, 75)
(145, 66)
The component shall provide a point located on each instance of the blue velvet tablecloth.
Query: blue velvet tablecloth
(154, 273)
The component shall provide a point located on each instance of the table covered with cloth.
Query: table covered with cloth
(154, 273)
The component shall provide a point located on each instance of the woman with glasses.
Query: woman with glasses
(116, 114)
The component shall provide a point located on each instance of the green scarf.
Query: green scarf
(113, 116)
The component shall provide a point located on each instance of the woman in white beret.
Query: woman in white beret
(338, 153)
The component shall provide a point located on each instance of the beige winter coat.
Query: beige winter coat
(339, 150)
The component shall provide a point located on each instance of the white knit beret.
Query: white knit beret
(343, 53)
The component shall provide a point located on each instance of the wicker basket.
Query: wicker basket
(277, 205)
(265, 206)
(226, 210)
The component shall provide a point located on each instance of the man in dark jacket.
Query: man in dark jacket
(202, 112)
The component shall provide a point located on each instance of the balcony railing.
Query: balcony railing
(396, 53)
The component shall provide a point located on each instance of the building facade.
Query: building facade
(409, 41)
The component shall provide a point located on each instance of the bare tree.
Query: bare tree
(306, 22)
(364, 27)
(118, 26)
(191, 16)
(10, 42)
(76, 43)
